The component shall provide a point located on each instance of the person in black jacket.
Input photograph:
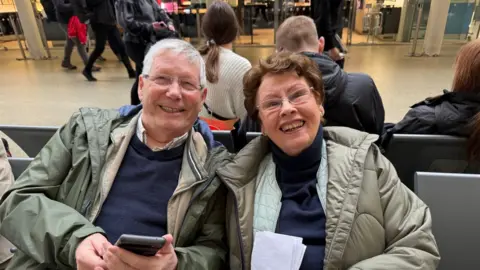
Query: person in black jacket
(351, 99)
(454, 113)
(328, 22)
(64, 11)
(100, 14)
(143, 21)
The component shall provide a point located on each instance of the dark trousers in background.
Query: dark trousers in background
(70, 43)
(102, 33)
(136, 51)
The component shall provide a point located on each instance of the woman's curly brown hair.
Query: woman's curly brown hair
(281, 62)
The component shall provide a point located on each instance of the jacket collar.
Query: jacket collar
(199, 125)
(334, 78)
(244, 167)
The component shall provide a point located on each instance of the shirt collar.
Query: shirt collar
(142, 136)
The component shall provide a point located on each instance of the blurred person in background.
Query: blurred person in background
(327, 15)
(225, 69)
(455, 112)
(351, 99)
(144, 23)
(100, 14)
(65, 17)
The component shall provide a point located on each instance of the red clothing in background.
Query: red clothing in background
(77, 29)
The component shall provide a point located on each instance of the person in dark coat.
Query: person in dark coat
(327, 15)
(455, 112)
(64, 11)
(100, 14)
(143, 21)
(351, 99)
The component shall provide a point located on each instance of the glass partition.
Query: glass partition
(372, 21)
(460, 16)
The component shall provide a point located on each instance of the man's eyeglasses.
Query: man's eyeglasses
(165, 81)
(296, 98)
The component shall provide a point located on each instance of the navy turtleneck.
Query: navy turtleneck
(301, 213)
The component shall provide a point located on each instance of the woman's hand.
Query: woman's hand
(120, 259)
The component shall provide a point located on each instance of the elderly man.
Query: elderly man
(105, 174)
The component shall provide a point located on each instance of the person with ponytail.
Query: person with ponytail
(455, 112)
(225, 69)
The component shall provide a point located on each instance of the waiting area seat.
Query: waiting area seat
(30, 138)
(429, 153)
(408, 153)
(224, 137)
(453, 201)
(252, 135)
(33, 138)
(19, 165)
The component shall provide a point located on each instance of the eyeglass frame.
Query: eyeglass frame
(310, 93)
(200, 87)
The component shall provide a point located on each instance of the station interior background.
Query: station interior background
(379, 35)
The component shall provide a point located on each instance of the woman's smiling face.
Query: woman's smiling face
(289, 111)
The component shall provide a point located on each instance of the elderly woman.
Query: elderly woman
(330, 186)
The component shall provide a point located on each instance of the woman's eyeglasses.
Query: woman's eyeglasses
(296, 98)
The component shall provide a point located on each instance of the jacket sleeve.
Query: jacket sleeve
(378, 111)
(125, 12)
(410, 243)
(41, 227)
(209, 250)
(367, 102)
(61, 6)
(6, 175)
(418, 120)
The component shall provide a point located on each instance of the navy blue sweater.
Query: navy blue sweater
(137, 202)
(302, 214)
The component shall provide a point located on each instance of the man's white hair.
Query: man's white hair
(176, 46)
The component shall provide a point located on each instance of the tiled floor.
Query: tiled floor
(41, 93)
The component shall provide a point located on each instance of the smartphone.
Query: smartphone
(141, 245)
(163, 25)
(160, 25)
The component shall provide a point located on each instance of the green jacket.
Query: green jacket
(373, 220)
(6, 181)
(51, 207)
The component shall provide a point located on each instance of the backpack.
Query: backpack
(49, 9)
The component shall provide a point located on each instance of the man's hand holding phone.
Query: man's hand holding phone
(162, 25)
(159, 25)
(116, 257)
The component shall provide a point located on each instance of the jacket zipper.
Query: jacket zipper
(239, 234)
